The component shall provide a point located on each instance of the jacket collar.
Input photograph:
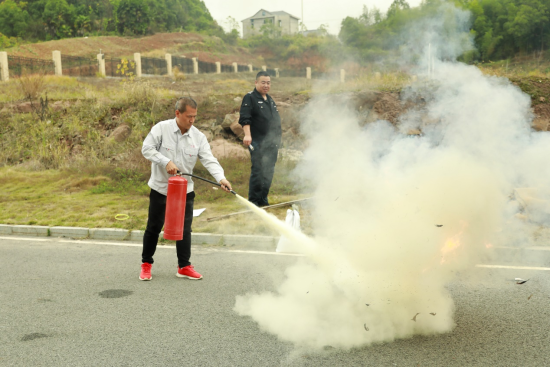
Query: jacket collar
(258, 95)
(176, 128)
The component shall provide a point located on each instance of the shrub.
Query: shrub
(178, 75)
(140, 93)
(31, 85)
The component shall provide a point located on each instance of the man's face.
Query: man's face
(263, 84)
(186, 119)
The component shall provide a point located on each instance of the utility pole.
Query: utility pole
(303, 25)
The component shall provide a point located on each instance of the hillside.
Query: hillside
(206, 48)
(43, 20)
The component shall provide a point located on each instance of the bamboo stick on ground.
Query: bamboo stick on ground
(249, 211)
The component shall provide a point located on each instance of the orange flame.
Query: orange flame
(450, 245)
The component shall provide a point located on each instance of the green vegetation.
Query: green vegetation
(69, 169)
(65, 198)
(39, 20)
(320, 51)
(501, 28)
(89, 198)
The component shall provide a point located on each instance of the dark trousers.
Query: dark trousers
(261, 173)
(155, 222)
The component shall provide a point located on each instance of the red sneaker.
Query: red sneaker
(188, 272)
(145, 271)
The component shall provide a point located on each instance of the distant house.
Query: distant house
(287, 23)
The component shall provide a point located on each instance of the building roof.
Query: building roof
(283, 13)
(269, 13)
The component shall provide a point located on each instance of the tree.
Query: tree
(370, 16)
(7, 42)
(59, 18)
(232, 24)
(396, 6)
(82, 24)
(13, 19)
(367, 18)
(529, 23)
(271, 30)
(132, 17)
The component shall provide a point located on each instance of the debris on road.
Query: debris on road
(414, 318)
(432, 313)
(366, 328)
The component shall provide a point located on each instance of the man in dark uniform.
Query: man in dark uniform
(262, 135)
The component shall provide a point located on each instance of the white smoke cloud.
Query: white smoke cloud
(395, 217)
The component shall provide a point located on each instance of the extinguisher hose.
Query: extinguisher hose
(204, 179)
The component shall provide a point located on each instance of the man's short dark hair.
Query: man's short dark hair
(262, 73)
(183, 102)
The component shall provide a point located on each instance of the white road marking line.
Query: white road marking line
(85, 242)
(512, 267)
(103, 243)
(265, 253)
(532, 248)
(26, 238)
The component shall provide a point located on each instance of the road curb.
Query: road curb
(71, 232)
(264, 243)
(37, 231)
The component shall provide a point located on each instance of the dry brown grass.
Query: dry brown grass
(178, 75)
(31, 86)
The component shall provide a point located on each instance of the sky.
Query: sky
(316, 12)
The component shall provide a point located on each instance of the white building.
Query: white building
(286, 23)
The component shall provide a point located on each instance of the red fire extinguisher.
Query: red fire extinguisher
(175, 208)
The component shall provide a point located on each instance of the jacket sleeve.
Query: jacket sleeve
(246, 111)
(151, 147)
(209, 161)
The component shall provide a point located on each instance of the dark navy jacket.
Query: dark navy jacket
(263, 118)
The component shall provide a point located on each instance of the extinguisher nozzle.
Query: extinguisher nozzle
(233, 192)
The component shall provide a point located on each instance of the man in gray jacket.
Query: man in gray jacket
(174, 145)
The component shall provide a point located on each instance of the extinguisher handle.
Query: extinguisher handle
(179, 173)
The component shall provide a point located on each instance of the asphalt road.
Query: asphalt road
(81, 304)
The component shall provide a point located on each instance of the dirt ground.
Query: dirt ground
(539, 90)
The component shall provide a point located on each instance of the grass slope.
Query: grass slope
(206, 48)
